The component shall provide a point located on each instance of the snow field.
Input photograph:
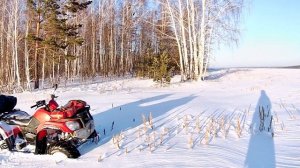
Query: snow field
(216, 123)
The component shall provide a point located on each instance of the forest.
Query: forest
(46, 42)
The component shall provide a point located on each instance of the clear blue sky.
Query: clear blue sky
(270, 36)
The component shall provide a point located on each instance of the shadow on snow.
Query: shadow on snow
(129, 115)
(261, 150)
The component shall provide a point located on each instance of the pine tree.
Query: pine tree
(161, 68)
(54, 19)
(61, 32)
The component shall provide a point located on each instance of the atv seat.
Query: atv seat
(69, 110)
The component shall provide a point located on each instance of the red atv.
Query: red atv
(50, 130)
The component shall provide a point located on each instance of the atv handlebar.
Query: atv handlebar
(39, 104)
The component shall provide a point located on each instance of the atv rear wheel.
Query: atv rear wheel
(65, 148)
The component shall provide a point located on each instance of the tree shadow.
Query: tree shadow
(261, 150)
(128, 116)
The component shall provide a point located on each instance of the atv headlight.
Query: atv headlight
(73, 125)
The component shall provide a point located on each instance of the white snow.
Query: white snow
(186, 129)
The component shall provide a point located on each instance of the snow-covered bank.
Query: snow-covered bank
(198, 124)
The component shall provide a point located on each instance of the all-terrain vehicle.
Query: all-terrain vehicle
(50, 130)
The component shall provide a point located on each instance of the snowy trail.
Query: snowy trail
(187, 122)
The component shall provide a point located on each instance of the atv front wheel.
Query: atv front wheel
(65, 148)
(9, 143)
(95, 137)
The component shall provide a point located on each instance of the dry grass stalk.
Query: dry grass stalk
(150, 147)
(186, 130)
(114, 139)
(184, 122)
(292, 116)
(147, 139)
(161, 138)
(198, 125)
(150, 120)
(139, 133)
(166, 131)
(190, 142)
(207, 135)
(277, 120)
(248, 112)
(154, 137)
(211, 125)
(238, 128)
(100, 158)
(117, 140)
(223, 126)
(144, 123)
(282, 126)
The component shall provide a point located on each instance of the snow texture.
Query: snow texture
(215, 123)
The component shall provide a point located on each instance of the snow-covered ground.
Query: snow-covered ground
(214, 123)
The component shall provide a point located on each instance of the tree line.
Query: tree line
(57, 41)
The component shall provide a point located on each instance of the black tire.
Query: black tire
(4, 146)
(9, 143)
(64, 147)
(41, 146)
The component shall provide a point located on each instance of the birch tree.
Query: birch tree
(16, 18)
(3, 7)
(195, 24)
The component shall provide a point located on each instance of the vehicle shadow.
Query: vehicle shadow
(261, 150)
(128, 116)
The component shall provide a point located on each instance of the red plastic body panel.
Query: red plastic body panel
(42, 115)
(16, 130)
(58, 115)
(54, 124)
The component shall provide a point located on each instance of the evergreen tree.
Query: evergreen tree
(60, 31)
(161, 68)
(54, 19)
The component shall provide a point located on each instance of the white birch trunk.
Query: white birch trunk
(195, 41)
(93, 42)
(185, 50)
(173, 23)
(190, 38)
(122, 36)
(10, 52)
(16, 40)
(27, 68)
(202, 39)
(2, 71)
(101, 17)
